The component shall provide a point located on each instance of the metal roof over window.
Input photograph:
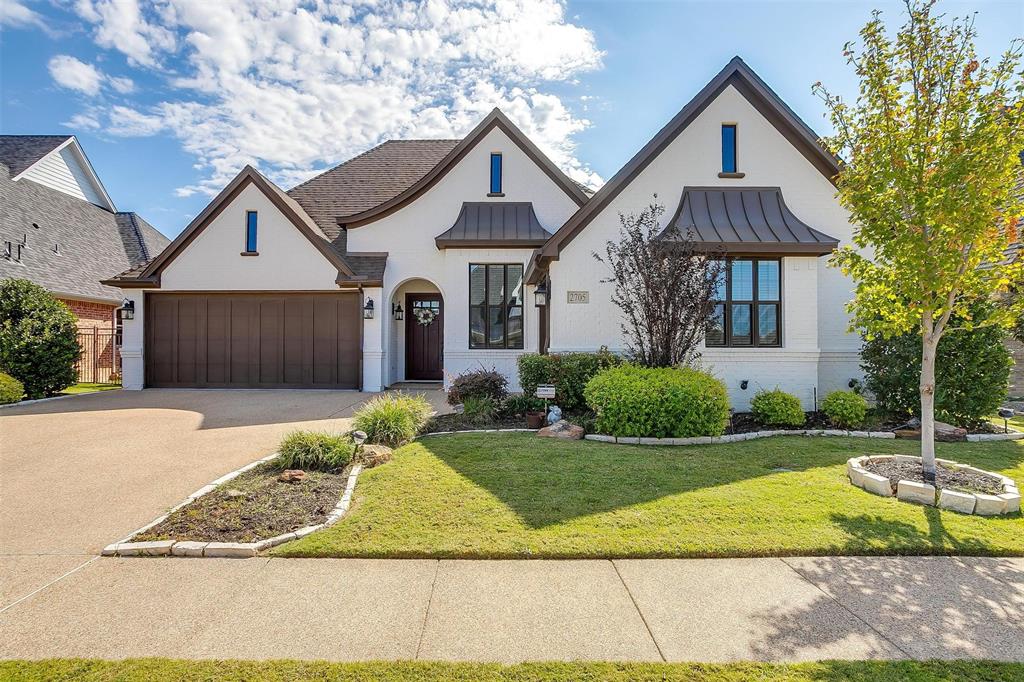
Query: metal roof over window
(494, 224)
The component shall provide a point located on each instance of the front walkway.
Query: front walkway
(649, 610)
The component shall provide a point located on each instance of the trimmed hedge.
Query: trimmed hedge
(480, 383)
(568, 372)
(11, 390)
(393, 418)
(38, 338)
(314, 450)
(664, 402)
(777, 408)
(845, 409)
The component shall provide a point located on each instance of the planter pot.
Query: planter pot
(535, 420)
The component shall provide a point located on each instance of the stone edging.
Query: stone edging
(225, 549)
(1008, 502)
(736, 437)
(56, 397)
(980, 437)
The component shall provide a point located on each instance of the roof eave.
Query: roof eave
(488, 243)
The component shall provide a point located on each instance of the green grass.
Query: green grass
(518, 496)
(88, 387)
(1017, 421)
(159, 669)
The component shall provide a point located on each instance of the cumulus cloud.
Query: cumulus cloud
(295, 87)
(73, 74)
(17, 14)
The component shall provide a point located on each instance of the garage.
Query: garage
(253, 340)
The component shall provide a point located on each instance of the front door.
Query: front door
(424, 337)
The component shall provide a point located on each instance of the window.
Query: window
(250, 231)
(496, 305)
(749, 308)
(729, 148)
(495, 173)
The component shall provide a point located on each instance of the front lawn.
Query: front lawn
(88, 387)
(519, 496)
(160, 670)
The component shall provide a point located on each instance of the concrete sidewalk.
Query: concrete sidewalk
(677, 610)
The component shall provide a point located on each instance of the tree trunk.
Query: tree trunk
(928, 347)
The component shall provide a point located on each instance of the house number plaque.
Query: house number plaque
(578, 296)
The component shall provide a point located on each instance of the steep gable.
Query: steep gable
(55, 161)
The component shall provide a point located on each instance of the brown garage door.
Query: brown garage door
(253, 340)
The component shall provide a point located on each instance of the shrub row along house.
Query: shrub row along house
(420, 259)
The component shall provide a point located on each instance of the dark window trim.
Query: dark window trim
(496, 175)
(754, 301)
(727, 172)
(251, 239)
(487, 306)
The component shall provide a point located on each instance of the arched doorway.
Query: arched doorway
(418, 349)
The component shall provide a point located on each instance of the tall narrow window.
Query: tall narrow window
(495, 173)
(729, 148)
(250, 231)
(748, 308)
(496, 305)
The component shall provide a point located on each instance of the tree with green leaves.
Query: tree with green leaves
(931, 157)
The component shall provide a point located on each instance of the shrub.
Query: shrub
(664, 402)
(479, 409)
(38, 342)
(11, 390)
(315, 450)
(519, 405)
(392, 419)
(845, 409)
(481, 383)
(568, 372)
(777, 408)
(972, 371)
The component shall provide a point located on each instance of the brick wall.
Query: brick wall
(91, 314)
(1017, 373)
(99, 361)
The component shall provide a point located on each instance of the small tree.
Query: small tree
(665, 285)
(38, 338)
(931, 148)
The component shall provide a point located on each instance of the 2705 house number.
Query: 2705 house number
(578, 296)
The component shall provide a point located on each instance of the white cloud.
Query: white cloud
(294, 86)
(16, 13)
(82, 121)
(73, 74)
(121, 84)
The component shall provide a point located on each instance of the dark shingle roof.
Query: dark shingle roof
(488, 223)
(18, 152)
(368, 180)
(93, 242)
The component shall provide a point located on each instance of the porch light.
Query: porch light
(540, 295)
(368, 309)
(127, 310)
(396, 310)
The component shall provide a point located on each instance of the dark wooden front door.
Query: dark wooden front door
(424, 336)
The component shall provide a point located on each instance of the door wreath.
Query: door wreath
(425, 315)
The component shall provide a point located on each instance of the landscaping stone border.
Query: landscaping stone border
(1008, 502)
(981, 437)
(190, 548)
(736, 437)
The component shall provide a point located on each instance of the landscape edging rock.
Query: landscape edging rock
(736, 437)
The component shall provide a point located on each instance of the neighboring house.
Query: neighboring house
(420, 259)
(60, 229)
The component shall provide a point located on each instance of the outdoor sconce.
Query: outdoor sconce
(744, 384)
(540, 295)
(396, 310)
(127, 310)
(368, 309)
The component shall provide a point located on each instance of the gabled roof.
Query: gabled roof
(22, 153)
(483, 224)
(747, 220)
(737, 74)
(150, 276)
(495, 119)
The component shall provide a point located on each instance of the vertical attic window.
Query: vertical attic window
(495, 173)
(729, 148)
(250, 232)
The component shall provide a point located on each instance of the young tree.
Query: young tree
(665, 285)
(931, 149)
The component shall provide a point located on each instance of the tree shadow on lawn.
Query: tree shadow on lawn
(547, 482)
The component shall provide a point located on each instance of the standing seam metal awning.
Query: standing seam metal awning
(747, 220)
(493, 224)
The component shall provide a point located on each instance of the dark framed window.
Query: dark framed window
(729, 148)
(748, 308)
(495, 305)
(250, 231)
(495, 173)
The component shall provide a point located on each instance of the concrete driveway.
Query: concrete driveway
(79, 473)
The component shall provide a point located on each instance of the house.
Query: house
(421, 259)
(60, 229)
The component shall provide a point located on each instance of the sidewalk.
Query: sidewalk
(646, 610)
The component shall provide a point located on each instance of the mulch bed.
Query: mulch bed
(459, 422)
(968, 481)
(744, 422)
(267, 508)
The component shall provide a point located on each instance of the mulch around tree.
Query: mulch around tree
(953, 479)
(267, 507)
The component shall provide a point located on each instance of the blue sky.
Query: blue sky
(171, 99)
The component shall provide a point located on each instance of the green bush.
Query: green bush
(481, 383)
(38, 338)
(315, 450)
(658, 402)
(479, 409)
(972, 373)
(519, 405)
(777, 408)
(845, 409)
(568, 372)
(11, 390)
(393, 418)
